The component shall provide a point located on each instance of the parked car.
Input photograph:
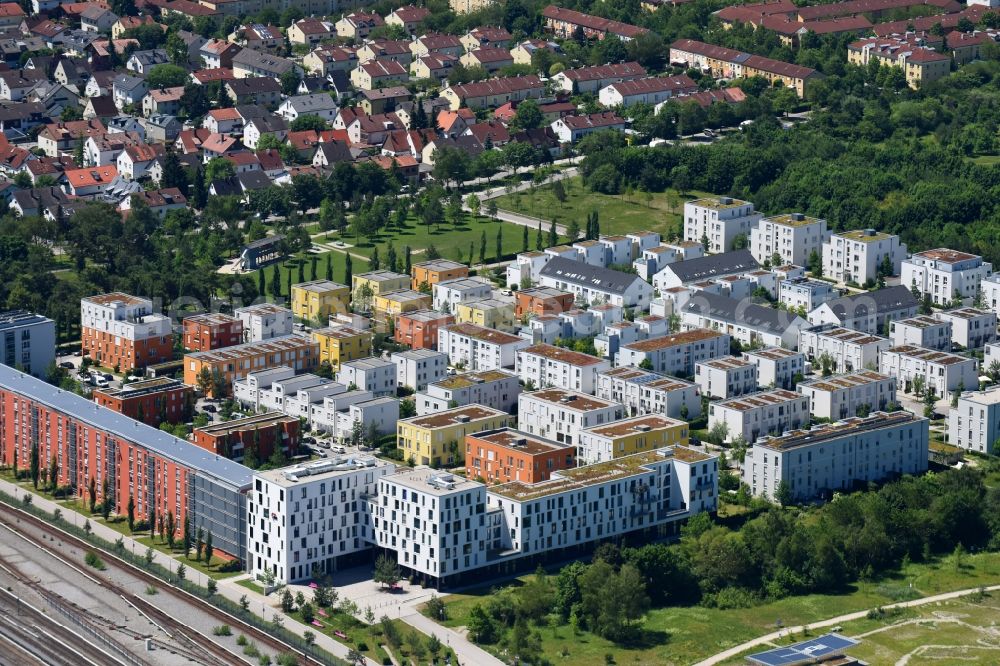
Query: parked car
(67, 365)
(338, 449)
(211, 409)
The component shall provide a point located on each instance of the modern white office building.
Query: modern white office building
(542, 366)
(434, 521)
(491, 388)
(842, 396)
(767, 412)
(416, 368)
(448, 294)
(793, 237)
(837, 456)
(645, 392)
(945, 274)
(477, 348)
(726, 377)
(857, 256)
(971, 328)
(560, 415)
(921, 331)
(974, 425)
(675, 354)
(943, 372)
(848, 350)
(776, 366)
(311, 517)
(264, 321)
(720, 220)
(369, 374)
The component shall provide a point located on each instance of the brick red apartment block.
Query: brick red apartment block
(118, 330)
(419, 329)
(209, 331)
(152, 401)
(262, 432)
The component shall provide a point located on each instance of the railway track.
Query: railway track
(198, 647)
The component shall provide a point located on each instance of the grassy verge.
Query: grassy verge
(250, 585)
(683, 635)
(368, 639)
(618, 214)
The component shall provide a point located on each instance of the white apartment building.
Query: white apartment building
(921, 331)
(638, 434)
(752, 416)
(855, 256)
(380, 414)
(675, 354)
(644, 392)
(311, 516)
(434, 521)
(849, 350)
(990, 353)
(974, 425)
(792, 236)
(526, 269)
(805, 295)
(327, 414)
(776, 366)
(842, 396)
(837, 456)
(417, 368)
(490, 388)
(720, 220)
(448, 294)
(544, 365)
(748, 322)
(369, 374)
(281, 390)
(117, 328)
(477, 348)
(27, 341)
(264, 321)
(726, 377)
(971, 328)
(596, 285)
(560, 415)
(945, 274)
(652, 492)
(943, 372)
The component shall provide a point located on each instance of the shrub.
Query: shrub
(241, 640)
(264, 660)
(229, 566)
(250, 650)
(362, 646)
(94, 561)
(222, 630)
(150, 590)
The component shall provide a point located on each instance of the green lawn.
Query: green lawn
(683, 635)
(189, 561)
(251, 585)
(616, 214)
(985, 160)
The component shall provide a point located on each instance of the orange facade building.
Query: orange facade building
(121, 331)
(438, 270)
(506, 454)
(419, 329)
(297, 351)
(539, 301)
(211, 330)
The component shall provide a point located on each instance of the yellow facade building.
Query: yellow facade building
(387, 306)
(318, 299)
(488, 313)
(628, 436)
(340, 344)
(435, 439)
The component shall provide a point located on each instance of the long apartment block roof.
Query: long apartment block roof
(792, 220)
(921, 321)
(320, 286)
(559, 354)
(483, 334)
(248, 423)
(967, 313)
(439, 265)
(726, 363)
(648, 379)
(946, 256)
(830, 431)
(719, 203)
(849, 381)
(143, 387)
(757, 400)
(472, 378)
(210, 319)
(591, 475)
(451, 417)
(864, 235)
(14, 318)
(155, 440)
(773, 353)
(637, 424)
(928, 355)
(115, 297)
(569, 399)
(684, 338)
(281, 343)
(848, 335)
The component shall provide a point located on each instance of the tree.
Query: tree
(186, 536)
(387, 571)
(613, 601)
(528, 115)
(482, 247)
(572, 231)
(34, 464)
(474, 204)
(130, 508)
(209, 549)
(348, 270)
(166, 75)
(170, 526)
(199, 543)
(407, 260)
(287, 602)
(374, 263)
(290, 81)
(499, 254)
(524, 238)
(559, 192)
(53, 474)
(78, 154)
(390, 258)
